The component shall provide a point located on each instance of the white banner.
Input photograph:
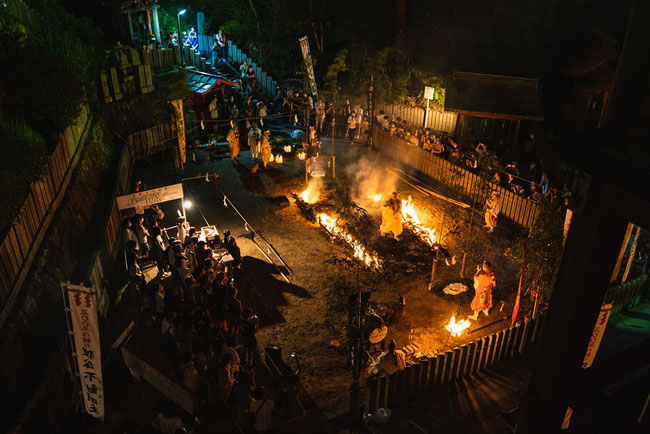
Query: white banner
(597, 335)
(150, 197)
(83, 311)
(309, 65)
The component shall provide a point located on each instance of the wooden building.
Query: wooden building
(491, 108)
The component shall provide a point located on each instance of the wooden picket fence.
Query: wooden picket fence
(627, 295)
(22, 240)
(513, 206)
(519, 340)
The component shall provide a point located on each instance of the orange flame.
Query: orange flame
(457, 328)
(360, 252)
(311, 195)
(412, 219)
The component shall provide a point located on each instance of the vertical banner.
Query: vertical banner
(597, 335)
(83, 313)
(180, 128)
(309, 65)
(371, 111)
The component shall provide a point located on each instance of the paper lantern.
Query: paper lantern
(302, 155)
(271, 158)
(279, 159)
(287, 148)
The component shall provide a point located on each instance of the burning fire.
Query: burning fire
(457, 328)
(410, 217)
(376, 197)
(311, 195)
(360, 252)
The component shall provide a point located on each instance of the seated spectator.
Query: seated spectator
(389, 361)
(380, 117)
(436, 146)
(191, 376)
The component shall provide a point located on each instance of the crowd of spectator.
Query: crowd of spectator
(186, 286)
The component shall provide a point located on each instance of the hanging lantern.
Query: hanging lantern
(271, 158)
(287, 148)
(302, 155)
(279, 159)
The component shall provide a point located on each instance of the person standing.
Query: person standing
(254, 137)
(142, 234)
(251, 81)
(484, 283)
(220, 46)
(266, 148)
(543, 183)
(352, 125)
(492, 209)
(358, 118)
(233, 141)
(391, 217)
(320, 116)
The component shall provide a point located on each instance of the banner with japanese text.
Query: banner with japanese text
(150, 197)
(180, 129)
(309, 65)
(83, 313)
(597, 335)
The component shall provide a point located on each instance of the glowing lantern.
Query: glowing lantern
(271, 158)
(302, 155)
(279, 159)
(287, 148)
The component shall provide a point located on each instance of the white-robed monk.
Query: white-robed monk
(266, 147)
(492, 210)
(233, 141)
(254, 142)
(391, 217)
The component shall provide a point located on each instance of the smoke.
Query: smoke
(372, 184)
(314, 188)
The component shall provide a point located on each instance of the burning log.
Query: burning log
(456, 328)
(359, 251)
(304, 207)
(411, 218)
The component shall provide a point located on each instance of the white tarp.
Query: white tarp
(150, 197)
(83, 312)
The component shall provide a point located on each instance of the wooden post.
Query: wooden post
(306, 171)
(433, 271)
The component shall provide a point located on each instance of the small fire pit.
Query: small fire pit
(456, 328)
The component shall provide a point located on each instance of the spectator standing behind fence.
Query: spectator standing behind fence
(352, 125)
(543, 183)
(251, 81)
(358, 118)
(219, 46)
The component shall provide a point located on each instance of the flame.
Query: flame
(311, 195)
(410, 217)
(457, 328)
(360, 252)
(376, 198)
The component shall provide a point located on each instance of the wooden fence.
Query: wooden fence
(513, 206)
(627, 295)
(22, 240)
(57, 386)
(388, 391)
(441, 121)
(266, 85)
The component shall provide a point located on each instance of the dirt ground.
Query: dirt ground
(310, 311)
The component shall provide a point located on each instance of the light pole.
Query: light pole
(180, 43)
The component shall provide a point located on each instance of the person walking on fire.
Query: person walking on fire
(484, 283)
(391, 217)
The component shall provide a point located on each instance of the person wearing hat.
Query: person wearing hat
(266, 147)
(492, 209)
(233, 141)
(254, 139)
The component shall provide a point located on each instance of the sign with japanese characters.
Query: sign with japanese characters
(428, 92)
(143, 370)
(309, 64)
(150, 197)
(83, 313)
(597, 335)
